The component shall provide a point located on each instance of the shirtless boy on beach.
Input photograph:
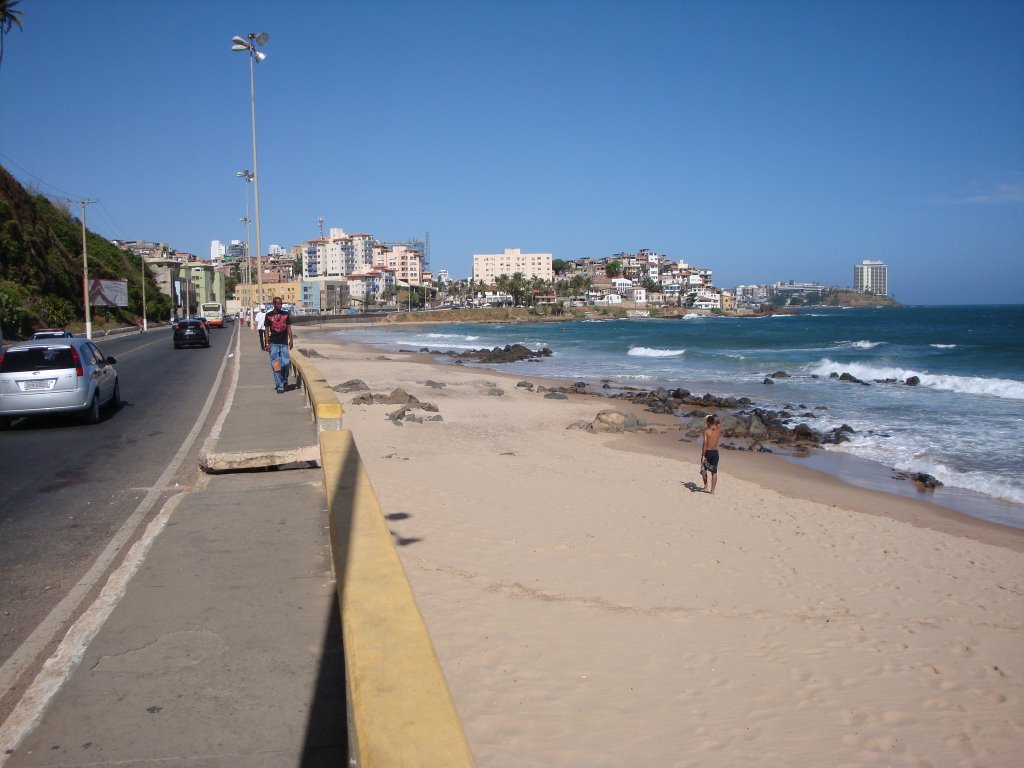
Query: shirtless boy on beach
(709, 452)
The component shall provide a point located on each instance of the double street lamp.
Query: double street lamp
(248, 44)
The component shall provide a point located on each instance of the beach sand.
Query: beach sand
(589, 609)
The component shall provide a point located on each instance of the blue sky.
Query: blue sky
(764, 140)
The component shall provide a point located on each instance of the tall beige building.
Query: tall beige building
(871, 277)
(488, 266)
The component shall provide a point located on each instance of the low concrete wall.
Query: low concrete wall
(401, 712)
(323, 401)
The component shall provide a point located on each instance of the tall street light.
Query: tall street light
(248, 176)
(248, 44)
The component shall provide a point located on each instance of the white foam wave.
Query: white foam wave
(860, 344)
(451, 336)
(1008, 389)
(943, 346)
(904, 458)
(649, 352)
(692, 316)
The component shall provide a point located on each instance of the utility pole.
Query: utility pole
(85, 271)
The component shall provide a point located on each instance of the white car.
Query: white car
(58, 375)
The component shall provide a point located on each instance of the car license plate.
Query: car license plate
(36, 384)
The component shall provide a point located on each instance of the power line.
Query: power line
(44, 183)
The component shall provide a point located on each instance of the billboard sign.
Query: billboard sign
(108, 293)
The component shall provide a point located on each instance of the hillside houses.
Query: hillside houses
(647, 277)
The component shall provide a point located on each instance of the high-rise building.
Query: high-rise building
(871, 277)
(488, 266)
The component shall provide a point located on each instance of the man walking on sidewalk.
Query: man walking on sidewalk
(278, 329)
(258, 319)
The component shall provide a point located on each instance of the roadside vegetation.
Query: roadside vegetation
(41, 268)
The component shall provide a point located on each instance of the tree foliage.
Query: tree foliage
(41, 265)
(10, 17)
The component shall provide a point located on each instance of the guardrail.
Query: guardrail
(323, 402)
(400, 709)
(401, 712)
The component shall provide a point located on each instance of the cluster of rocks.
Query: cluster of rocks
(407, 403)
(739, 418)
(662, 400)
(613, 421)
(510, 353)
(556, 393)
(759, 425)
(910, 381)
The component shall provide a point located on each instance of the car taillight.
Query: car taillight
(78, 362)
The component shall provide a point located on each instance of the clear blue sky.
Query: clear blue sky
(764, 140)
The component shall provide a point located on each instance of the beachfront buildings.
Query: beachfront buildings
(340, 270)
(489, 266)
(871, 277)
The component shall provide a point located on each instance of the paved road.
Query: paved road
(69, 487)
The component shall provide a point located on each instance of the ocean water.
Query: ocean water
(964, 423)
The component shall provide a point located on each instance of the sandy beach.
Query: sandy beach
(590, 609)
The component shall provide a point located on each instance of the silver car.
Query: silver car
(56, 376)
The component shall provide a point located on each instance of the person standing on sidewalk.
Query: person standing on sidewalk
(278, 330)
(258, 319)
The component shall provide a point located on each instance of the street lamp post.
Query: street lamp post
(248, 44)
(145, 325)
(248, 176)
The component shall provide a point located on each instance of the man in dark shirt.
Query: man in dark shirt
(277, 328)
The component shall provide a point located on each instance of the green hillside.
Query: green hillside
(41, 268)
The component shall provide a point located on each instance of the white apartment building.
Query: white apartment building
(217, 249)
(488, 266)
(406, 263)
(871, 277)
(337, 255)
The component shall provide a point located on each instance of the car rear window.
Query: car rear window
(36, 359)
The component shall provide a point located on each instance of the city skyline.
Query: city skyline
(768, 142)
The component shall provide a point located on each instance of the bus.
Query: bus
(213, 313)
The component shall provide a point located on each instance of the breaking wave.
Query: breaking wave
(649, 352)
(859, 344)
(1008, 389)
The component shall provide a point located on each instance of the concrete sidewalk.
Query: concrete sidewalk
(225, 648)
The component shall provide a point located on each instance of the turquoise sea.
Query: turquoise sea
(964, 423)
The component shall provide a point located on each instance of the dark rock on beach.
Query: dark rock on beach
(852, 379)
(922, 480)
(612, 421)
(510, 353)
(352, 385)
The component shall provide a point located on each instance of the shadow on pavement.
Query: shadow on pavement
(326, 742)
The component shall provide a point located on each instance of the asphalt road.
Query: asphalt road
(69, 487)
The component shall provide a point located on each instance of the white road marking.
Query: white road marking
(58, 668)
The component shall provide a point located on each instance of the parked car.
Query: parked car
(191, 332)
(53, 333)
(58, 375)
